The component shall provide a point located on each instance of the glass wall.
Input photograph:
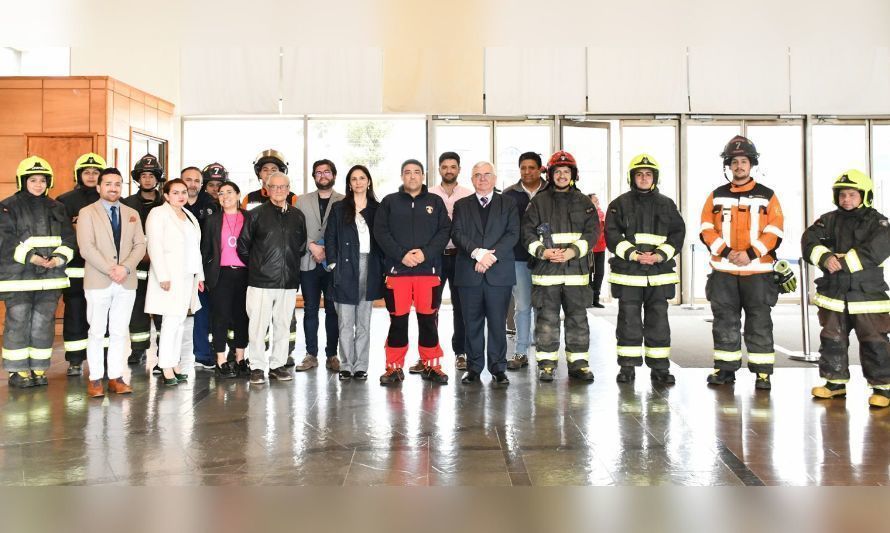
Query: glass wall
(836, 148)
(659, 141)
(513, 140)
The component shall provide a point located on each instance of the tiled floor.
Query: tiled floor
(319, 431)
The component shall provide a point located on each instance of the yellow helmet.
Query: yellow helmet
(32, 166)
(90, 160)
(854, 179)
(642, 161)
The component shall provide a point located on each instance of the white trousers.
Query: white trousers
(269, 305)
(108, 308)
(175, 343)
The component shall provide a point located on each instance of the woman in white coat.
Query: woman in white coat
(176, 274)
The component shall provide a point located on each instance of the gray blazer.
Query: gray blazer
(315, 223)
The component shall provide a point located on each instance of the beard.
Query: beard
(325, 187)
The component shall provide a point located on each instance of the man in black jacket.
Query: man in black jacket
(485, 229)
(412, 229)
(75, 327)
(271, 244)
(202, 205)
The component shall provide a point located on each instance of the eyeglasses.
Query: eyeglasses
(278, 187)
(320, 173)
(487, 175)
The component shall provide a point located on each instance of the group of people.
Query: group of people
(219, 275)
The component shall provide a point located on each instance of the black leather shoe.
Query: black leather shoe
(501, 378)
(470, 376)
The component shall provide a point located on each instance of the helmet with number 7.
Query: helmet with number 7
(740, 146)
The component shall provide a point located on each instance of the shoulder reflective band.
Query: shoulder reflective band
(569, 279)
(721, 355)
(21, 251)
(622, 248)
(23, 285)
(649, 238)
(65, 252)
(73, 272)
(817, 253)
(658, 353)
(853, 262)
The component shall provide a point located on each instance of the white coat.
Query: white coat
(168, 245)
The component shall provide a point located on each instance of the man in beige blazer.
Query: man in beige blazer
(111, 241)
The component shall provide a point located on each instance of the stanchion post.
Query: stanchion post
(691, 305)
(807, 355)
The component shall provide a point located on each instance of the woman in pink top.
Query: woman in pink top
(226, 279)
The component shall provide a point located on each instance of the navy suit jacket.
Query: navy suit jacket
(500, 234)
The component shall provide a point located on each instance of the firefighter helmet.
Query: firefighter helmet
(639, 162)
(215, 172)
(148, 163)
(90, 160)
(33, 166)
(739, 146)
(269, 156)
(562, 159)
(854, 179)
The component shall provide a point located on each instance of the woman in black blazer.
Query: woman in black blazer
(225, 275)
(357, 263)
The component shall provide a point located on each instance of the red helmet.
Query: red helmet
(562, 159)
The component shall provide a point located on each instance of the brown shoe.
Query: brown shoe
(333, 364)
(95, 389)
(309, 362)
(118, 386)
(417, 368)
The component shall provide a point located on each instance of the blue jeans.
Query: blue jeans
(522, 297)
(201, 333)
(313, 283)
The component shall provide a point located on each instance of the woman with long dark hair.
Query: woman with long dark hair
(357, 263)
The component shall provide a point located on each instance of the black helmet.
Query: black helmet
(269, 156)
(739, 146)
(215, 172)
(148, 163)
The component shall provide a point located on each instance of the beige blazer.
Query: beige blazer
(168, 245)
(96, 243)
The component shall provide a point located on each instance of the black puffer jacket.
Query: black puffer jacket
(271, 243)
(32, 225)
(404, 223)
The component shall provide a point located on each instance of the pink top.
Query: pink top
(231, 228)
(458, 193)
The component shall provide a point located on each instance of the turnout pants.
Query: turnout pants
(729, 294)
(425, 294)
(643, 329)
(29, 330)
(874, 348)
(75, 326)
(547, 302)
(140, 321)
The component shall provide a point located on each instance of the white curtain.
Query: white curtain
(332, 80)
(740, 78)
(229, 80)
(637, 79)
(533, 81)
(840, 80)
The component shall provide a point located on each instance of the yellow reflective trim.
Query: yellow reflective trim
(230, 334)
(141, 274)
(579, 356)
(650, 238)
(817, 253)
(565, 238)
(293, 336)
(137, 337)
(721, 355)
(881, 387)
(534, 246)
(582, 247)
(828, 303)
(23, 285)
(874, 306)
(547, 356)
(668, 250)
(761, 358)
(40, 353)
(630, 351)
(838, 381)
(44, 242)
(852, 259)
(622, 248)
(65, 251)
(21, 252)
(664, 279)
(74, 346)
(627, 279)
(658, 353)
(74, 272)
(573, 280)
(19, 354)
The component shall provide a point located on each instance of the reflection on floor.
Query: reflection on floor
(319, 431)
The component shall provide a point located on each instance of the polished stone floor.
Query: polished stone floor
(319, 431)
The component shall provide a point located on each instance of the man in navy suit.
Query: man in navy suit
(485, 229)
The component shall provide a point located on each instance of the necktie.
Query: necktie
(484, 201)
(116, 229)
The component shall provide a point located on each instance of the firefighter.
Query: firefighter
(741, 224)
(214, 176)
(558, 228)
(644, 231)
(149, 176)
(75, 326)
(848, 245)
(36, 243)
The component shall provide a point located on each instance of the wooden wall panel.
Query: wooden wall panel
(66, 110)
(137, 115)
(20, 111)
(165, 125)
(151, 101)
(61, 152)
(20, 83)
(99, 84)
(120, 118)
(151, 120)
(98, 111)
(12, 150)
(74, 83)
(7, 189)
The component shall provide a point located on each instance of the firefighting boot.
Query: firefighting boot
(830, 390)
(721, 377)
